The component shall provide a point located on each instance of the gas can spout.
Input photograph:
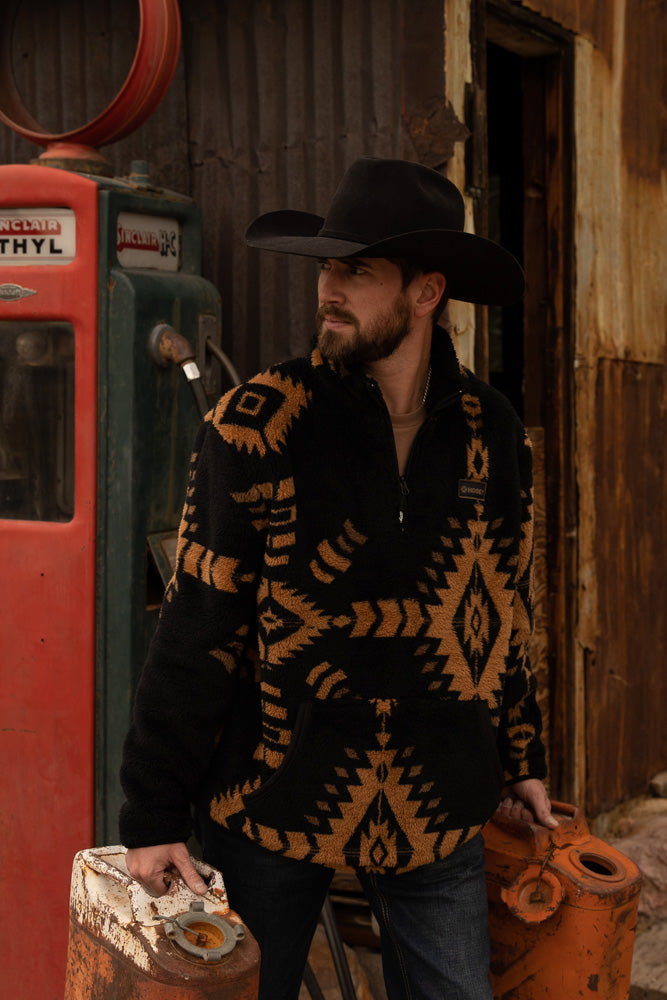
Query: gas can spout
(166, 346)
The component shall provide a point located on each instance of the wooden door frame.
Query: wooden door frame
(548, 54)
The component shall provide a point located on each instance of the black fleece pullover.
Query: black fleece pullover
(340, 670)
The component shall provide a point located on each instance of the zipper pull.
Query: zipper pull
(405, 492)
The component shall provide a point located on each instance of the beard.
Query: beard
(372, 342)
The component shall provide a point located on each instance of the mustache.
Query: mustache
(334, 312)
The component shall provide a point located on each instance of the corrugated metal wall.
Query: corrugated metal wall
(270, 102)
(301, 89)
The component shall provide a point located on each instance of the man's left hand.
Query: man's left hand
(527, 800)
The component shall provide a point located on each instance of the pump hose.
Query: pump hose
(201, 398)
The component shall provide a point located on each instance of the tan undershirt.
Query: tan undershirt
(405, 427)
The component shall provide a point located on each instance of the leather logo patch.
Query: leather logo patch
(470, 489)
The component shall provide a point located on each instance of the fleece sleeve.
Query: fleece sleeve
(520, 744)
(189, 677)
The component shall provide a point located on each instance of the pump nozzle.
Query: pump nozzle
(165, 345)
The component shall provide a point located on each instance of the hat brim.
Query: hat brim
(476, 269)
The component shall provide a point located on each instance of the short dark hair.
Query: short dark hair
(410, 268)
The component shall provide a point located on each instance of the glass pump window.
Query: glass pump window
(36, 421)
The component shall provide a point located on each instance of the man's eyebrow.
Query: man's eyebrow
(369, 263)
(366, 261)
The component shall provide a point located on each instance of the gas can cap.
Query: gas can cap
(202, 934)
(534, 895)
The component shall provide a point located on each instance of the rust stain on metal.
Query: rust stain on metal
(174, 347)
(435, 129)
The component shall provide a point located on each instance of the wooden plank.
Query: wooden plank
(568, 751)
(626, 683)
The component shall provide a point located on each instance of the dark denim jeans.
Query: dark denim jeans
(433, 920)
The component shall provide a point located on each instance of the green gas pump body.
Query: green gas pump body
(147, 421)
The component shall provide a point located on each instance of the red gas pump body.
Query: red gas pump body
(47, 612)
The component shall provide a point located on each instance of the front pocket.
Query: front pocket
(291, 755)
(400, 761)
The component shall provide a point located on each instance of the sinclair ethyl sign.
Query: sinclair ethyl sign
(37, 236)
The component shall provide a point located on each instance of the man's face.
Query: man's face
(364, 312)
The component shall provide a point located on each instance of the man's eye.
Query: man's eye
(324, 265)
(354, 269)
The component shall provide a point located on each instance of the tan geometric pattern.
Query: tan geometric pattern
(333, 558)
(273, 511)
(288, 622)
(477, 453)
(470, 617)
(257, 416)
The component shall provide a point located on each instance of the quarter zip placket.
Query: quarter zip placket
(404, 489)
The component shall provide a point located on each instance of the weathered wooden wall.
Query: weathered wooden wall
(626, 679)
(620, 395)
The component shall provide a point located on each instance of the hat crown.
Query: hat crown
(378, 199)
(397, 208)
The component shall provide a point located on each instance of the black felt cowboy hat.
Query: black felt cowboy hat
(395, 208)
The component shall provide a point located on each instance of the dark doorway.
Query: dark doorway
(520, 169)
(505, 200)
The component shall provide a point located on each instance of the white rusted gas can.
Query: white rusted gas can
(128, 945)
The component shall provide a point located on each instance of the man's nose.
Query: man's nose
(329, 287)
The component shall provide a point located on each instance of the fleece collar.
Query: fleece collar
(448, 376)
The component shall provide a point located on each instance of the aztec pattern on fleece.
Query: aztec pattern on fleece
(340, 669)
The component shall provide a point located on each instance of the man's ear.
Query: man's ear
(432, 288)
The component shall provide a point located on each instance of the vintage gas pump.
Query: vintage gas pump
(96, 427)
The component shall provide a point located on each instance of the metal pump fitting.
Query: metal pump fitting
(166, 347)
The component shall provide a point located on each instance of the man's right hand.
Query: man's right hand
(151, 865)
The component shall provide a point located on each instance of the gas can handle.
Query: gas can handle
(109, 863)
(565, 810)
(572, 827)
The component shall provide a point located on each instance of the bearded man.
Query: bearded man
(340, 678)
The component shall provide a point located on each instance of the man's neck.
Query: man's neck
(403, 376)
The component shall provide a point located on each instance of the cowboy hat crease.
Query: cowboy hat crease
(397, 208)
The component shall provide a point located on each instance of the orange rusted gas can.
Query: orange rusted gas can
(125, 944)
(562, 910)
